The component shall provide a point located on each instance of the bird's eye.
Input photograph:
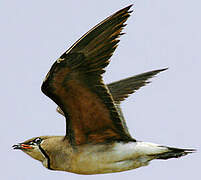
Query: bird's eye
(31, 143)
(38, 140)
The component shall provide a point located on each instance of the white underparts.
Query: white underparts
(119, 157)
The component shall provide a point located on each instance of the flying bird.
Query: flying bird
(97, 139)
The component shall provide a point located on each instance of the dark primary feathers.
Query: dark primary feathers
(121, 89)
(75, 84)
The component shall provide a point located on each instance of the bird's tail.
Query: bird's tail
(156, 151)
(173, 153)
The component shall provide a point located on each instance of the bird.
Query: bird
(97, 140)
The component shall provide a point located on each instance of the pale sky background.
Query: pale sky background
(159, 34)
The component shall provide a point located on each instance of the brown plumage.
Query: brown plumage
(120, 90)
(75, 83)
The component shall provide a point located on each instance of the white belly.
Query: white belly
(95, 159)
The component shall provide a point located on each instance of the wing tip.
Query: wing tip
(128, 7)
(163, 69)
(125, 10)
(155, 72)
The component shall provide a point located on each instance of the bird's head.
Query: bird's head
(40, 148)
(33, 147)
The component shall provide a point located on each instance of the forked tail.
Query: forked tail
(174, 153)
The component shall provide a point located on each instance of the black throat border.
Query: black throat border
(46, 156)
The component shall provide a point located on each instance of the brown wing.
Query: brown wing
(75, 84)
(121, 89)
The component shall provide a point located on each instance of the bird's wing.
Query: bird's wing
(123, 121)
(121, 89)
(75, 84)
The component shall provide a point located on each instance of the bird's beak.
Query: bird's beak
(22, 146)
